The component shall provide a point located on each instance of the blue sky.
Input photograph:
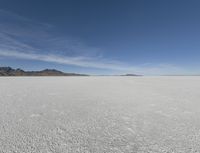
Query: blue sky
(101, 37)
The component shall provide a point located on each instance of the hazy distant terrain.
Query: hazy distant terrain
(8, 71)
(100, 114)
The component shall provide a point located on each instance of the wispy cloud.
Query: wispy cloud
(77, 61)
(116, 66)
(24, 38)
(28, 35)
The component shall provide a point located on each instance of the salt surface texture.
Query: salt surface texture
(100, 114)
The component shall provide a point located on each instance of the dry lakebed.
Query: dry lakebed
(100, 114)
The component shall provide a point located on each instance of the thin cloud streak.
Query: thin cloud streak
(92, 63)
(30, 36)
(76, 61)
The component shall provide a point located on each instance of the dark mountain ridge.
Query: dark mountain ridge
(8, 71)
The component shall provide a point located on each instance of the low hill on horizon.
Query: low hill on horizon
(131, 75)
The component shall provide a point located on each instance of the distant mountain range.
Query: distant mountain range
(8, 71)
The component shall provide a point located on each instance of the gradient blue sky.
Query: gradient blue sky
(150, 37)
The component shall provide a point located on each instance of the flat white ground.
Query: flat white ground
(100, 114)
